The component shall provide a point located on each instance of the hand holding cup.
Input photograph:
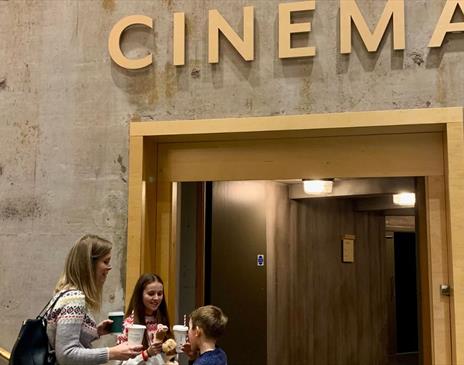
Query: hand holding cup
(104, 327)
(180, 335)
(135, 333)
(117, 319)
(187, 349)
(124, 351)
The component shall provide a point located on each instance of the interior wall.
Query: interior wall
(320, 310)
(185, 296)
(237, 283)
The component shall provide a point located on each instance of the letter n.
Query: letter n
(217, 23)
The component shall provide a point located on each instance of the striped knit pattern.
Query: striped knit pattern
(152, 328)
(71, 329)
(150, 322)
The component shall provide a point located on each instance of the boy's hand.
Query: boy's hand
(187, 349)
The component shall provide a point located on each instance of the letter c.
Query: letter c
(114, 46)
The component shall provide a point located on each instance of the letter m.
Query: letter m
(350, 14)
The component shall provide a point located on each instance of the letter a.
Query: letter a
(444, 24)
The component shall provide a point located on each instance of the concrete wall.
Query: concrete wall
(65, 109)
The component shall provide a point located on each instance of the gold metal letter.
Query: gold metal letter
(179, 39)
(218, 23)
(444, 24)
(286, 28)
(114, 42)
(349, 11)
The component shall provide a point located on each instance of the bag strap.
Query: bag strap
(50, 308)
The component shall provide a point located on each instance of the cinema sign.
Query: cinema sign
(350, 14)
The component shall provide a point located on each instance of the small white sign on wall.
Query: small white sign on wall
(260, 260)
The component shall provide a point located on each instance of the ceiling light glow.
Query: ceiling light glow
(317, 186)
(404, 199)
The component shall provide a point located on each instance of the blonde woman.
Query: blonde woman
(71, 326)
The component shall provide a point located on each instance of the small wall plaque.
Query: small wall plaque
(348, 248)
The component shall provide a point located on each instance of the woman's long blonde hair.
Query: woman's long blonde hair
(80, 268)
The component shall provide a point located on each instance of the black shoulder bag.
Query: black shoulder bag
(32, 346)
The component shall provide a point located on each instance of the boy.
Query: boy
(206, 325)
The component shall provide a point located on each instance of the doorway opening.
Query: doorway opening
(306, 296)
(406, 313)
(403, 143)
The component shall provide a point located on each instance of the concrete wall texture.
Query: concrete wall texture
(65, 110)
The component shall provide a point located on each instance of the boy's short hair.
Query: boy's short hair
(210, 319)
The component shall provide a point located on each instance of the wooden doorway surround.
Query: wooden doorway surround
(419, 142)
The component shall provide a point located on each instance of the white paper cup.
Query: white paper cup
(180, 335)
(135, 334)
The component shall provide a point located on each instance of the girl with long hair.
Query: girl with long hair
(148, 307)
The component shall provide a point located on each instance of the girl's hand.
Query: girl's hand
(187, 349)
(155, 348)
(103, 328)
(124, 351)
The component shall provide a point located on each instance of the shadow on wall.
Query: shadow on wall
(367, 59)
(453, 43)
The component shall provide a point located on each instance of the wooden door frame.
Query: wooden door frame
(417, 142)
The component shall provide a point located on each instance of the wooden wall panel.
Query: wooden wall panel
(454, 163)
(236, 283)
(281, 236)
(149, 207)
(135, 215)
(413, 154)
(320, 310)
(439, 268)
(437, 247)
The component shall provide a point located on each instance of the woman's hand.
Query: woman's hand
(154, 348)
(103, 328)
(124, 351)
(187, 349)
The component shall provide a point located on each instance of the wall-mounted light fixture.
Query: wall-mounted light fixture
(408, 199)
(318, 186)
